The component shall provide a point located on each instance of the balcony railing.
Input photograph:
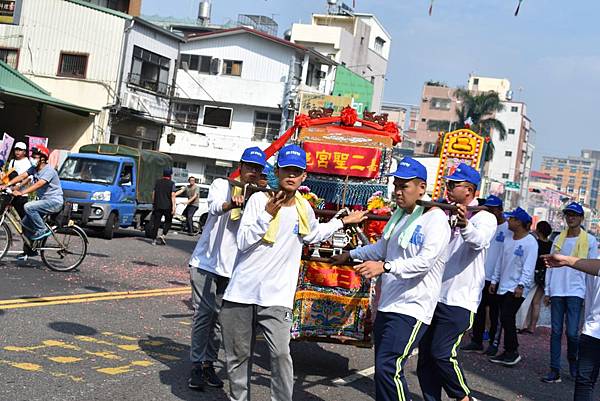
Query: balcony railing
(161, 88)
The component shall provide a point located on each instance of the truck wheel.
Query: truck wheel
(111, 225)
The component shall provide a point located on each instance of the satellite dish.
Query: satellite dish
(287, 35)
(332, 2)
(509, 95)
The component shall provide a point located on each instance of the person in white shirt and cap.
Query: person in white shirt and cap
(260, 294)
(512, 279)
(211, 265)
(565, 290)
(409, 261)
(463, 280)
(588, 363)
(21, 164)
(489, 301)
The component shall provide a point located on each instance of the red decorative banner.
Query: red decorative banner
(325, 275)
(353, 161)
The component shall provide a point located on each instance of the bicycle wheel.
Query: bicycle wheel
(5, 239)
(65, 249)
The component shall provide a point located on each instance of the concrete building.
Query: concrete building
(145, 88)
(237, 88)
(72, 50)
(437, 114)
(572, 175)
(356, 40)
(595, 188)
(486, 84)
(406, 116)
(97, 58)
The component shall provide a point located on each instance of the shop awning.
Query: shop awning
(13, 83)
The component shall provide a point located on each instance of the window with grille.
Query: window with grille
(149, 71)
(232, 67)
(266, 126)
(196, 62)
(187, 115)
(514, 109)
(10, 57)
(217, 116)
(72, 65)
(508, 153)
(505, 176)
(511, 130)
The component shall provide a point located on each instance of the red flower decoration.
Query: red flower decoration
(488, 139)
(349, 116)
(393, 131)
(302, 120)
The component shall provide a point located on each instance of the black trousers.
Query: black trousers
(188, 212)
(508, 318)
(157, 215)
(438, 366)
(19, 204)
(487, 301)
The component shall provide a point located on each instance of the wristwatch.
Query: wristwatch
(387, 267)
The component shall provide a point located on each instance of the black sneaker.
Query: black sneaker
(552, 377)
(196, 381)
(472, 347)
(573, 370)
(491, 350)
(211, 376)
(506, 358)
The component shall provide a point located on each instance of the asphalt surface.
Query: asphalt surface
(119, 328)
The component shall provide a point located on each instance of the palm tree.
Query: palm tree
(480, 109)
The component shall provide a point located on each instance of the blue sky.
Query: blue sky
(550, 51)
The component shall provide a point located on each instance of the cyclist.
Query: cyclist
(49, 191)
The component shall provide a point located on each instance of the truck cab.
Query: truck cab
(110, 186)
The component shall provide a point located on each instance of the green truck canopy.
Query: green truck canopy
(149, 165)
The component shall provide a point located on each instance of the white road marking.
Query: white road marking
(361, 374)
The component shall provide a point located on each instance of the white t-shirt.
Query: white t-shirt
(412, 286)
(591, 327)
(464, 275)
(495, 249)
(267, 274)
(216, 249)
(565, 281)
(516, 265)
(21, 165)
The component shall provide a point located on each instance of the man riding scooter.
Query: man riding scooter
(49, 192)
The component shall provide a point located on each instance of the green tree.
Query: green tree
(480, 109)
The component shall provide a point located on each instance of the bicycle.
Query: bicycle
(56, 249)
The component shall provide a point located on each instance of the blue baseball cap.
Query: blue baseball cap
(493, 201)
(409, 168)
(167, 172)
(464, 172)
(575, 208)
(267, 170)
(519, 214)
(292, 156)
(254, 155)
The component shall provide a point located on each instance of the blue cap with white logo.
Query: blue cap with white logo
(292, 156)
(254, 155)
(493, 201)
(519, 214)
(464, 172)
(575, 208)
(409, 168)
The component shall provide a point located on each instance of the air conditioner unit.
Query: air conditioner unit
(322, 74)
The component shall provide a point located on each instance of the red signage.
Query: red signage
(353, 161)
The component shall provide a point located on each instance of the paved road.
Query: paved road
(119, 329)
